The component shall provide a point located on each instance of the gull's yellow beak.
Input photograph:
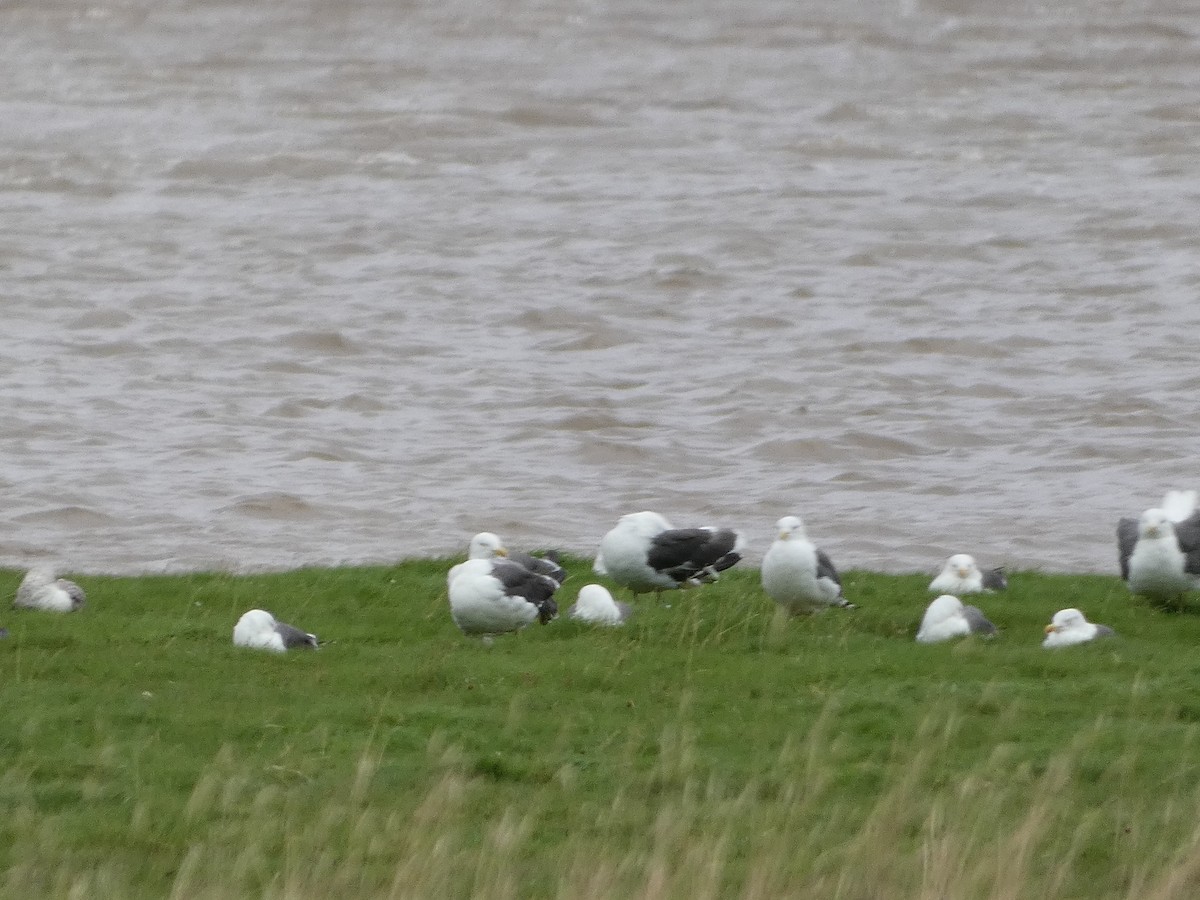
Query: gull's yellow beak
(1152, 531)
(784, 535)
(963, 573)
(500, 551)
(1051, 628)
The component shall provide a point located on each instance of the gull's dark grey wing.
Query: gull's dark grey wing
(1104, 631)
(3, 633)
(1127, 537)
(546, 564)
(978, 622)
(519, 581)
(294, 637)
(995, 579)
(683, 553)
(74, 591)
(826, 569)
(1187, 533)
(624, 610)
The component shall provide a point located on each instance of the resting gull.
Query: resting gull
(486, 545)
(262, 631)
(492, 596)
(644, 552)
(41, 589)
(960, 575)
(1160, 552)
(597, 606)
(947, 617)
(1070, 627)
(797, 575)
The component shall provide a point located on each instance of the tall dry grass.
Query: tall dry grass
(1000, 833)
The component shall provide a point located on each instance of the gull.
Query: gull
(798, 575)
(492, 596)
(645, 552)
(1160, 552)
(41, 589)
(947, 617)
(960, 575)
(259, 629)
(597, 606)
(1070, 627)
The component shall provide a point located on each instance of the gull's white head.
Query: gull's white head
(1155, 524)
(790, 527)
(1066, 620)
(486, 545)
(962, 565)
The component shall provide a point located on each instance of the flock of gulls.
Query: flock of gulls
(495, 591)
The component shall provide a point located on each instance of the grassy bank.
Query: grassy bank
(708, 749)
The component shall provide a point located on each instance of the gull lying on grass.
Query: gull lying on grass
(41, 589)
(1070, 627)
(947, 617)
(960, 575)
(597, 606)
(262, 631)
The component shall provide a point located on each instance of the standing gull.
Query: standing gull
(797, 575)
(947, 617)
(597, 606)
(1160, 552)
(41, 589)
(1070, 627)
(492, 596)
(262, 631)
(960, 575)
(644, 552)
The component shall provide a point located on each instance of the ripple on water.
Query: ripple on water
(273, 505)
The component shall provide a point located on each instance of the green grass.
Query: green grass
(711, 748)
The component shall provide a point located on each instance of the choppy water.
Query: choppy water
(298, 282)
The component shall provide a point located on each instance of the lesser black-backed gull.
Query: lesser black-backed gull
(946, 617)
(960, 575)
(259, 629)
(1070, 627)
(798, 575)
(41, 589)
(493, 596)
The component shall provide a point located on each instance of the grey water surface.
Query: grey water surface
(293, 282)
